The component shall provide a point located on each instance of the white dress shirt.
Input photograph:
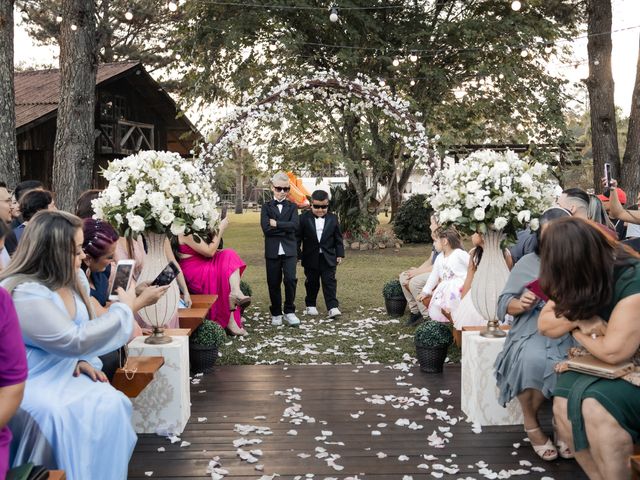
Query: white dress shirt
(319, 228)
(280, 249)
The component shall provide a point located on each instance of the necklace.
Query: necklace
(128, 374)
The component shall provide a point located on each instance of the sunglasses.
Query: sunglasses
(321, 207)
(282, 189)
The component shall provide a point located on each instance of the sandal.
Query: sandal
(564, 450)
(547, 451)
(235, 302)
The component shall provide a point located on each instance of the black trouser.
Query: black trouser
(276, 269)
(327, 275)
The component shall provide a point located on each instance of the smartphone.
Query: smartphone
(607, 176)
(167, 275)
(223, 212)
(124, 272)
(534, 287)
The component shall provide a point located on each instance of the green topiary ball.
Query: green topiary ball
(209, 334)
(433, 334)
(392, 289)
(411, 223)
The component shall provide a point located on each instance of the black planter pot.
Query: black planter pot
(431, 359)
(395, 305)
(202, 358)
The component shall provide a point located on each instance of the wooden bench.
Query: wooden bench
(57, 475)
(140, 370)
(194, 316)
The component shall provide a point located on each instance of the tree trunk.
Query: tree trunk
(631, 161)
(600, 86)
(239, 185)
(73, 155)
(9, 167)
(395, 196)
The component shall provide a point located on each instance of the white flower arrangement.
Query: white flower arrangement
(160, 192)
(491, 190)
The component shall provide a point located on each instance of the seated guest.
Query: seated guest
(598, 214)
(209, 271)
(6, 200)
(22, 188)
(575, 201)
(449, 271)
(70, 417)
(30, 204)
(466, 314)
(525, 367)
(100, 240)
(413, 281)
(594, 286)
(13, 373)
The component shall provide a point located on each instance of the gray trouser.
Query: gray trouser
(416, 284)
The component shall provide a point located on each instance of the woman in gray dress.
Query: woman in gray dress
(525, 367)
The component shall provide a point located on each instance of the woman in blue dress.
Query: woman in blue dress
(70, 418)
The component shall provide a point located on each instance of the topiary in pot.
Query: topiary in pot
(432, 341)
(411, 223)
(204, 344)
(394, 300)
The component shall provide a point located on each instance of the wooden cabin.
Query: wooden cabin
(133, 113)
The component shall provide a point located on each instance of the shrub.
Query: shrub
(353, 221)
(433, 334)
(209, 334)
(392, 289)
(246, 288)
(411, 223)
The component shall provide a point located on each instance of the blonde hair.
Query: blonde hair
(280, 177)
(46, 255)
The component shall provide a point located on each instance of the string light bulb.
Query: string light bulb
(272, 47)
(412, 82)
(128, 15)
(413, 57)
(396, 62)
(74, 27)
(548, 49)
(173, 6)
(59, 19)
(516, 5)
(524, 54)
(333, 14)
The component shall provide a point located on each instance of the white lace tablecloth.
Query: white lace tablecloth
(165, 404)
(479, 393)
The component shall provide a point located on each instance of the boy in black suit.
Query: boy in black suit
(322, 250)
(279, 222)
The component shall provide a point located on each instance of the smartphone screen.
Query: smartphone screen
(223, 213)
(607, 176)
(123, 274)
(166, 276)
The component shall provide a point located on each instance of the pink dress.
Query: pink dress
(210, 276)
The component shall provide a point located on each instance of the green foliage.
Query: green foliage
(209, 334)
(354, 221)
(411, 223)
(246, 288)
(392, 289)
(433, 334)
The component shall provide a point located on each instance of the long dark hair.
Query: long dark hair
(577, 261)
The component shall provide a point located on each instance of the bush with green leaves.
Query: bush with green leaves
(354, 221)
(411, 223)
(245, 288)
(209, 334)
(433, 334)
(392, 289)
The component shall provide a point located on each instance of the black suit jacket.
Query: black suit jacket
(284, 233)
(331, 241)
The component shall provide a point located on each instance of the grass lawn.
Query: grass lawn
(364, 333)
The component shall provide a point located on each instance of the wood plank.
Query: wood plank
(204, 298)
(57, 475)
(192, 317)
(140, 372)
(635, 467)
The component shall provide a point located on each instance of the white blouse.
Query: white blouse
(453, 266)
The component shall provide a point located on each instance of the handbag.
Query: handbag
(590, 365)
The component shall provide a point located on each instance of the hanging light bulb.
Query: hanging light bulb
(548, 49)
(173, 6)
(516, 5)
(382, 83)
(333, 15)
(272, 47)
(413, 57)
(396, 62)
(59, 19)
(74, 27)
(128, 15)
(524, 54)
(412, 82)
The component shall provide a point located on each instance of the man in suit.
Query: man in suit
(322, 250)
(279, 222)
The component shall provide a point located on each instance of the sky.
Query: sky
(626, 15)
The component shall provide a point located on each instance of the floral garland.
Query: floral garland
(360, 94)
(160, 192)
(491, 190)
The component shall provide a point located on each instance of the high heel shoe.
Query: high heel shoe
(235, 301)
(563, 448)
(547, 451)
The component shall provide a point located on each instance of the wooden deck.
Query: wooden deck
(347, 403)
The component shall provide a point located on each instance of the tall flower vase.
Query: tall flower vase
(489, 281)
(166, 308)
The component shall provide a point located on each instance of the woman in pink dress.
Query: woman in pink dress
(210, 271)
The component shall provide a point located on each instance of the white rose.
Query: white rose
(534, 225)
(156, 200)
(524, 216)
(118, 218)
(478, 214)
(500, 223)
(177, 228)
(166, 217)
(199, 225)
(136, 222)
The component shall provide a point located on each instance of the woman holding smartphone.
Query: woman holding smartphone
(525, 367)
(67, 399)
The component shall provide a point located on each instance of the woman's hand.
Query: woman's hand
(127, 297)
(150, 295)
(594, 327)
(91, 372)
(140, 287)
(222, 226)
(186, 298)
(528, 300)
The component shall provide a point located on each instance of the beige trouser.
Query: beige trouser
(416, 284)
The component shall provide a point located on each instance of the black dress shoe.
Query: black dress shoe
(414, 319)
